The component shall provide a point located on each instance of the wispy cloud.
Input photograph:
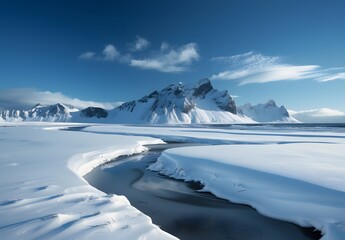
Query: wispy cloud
(109, 53)
(175, 60)
(331, 77)
(321, 115)
(254, 67)
(164, 46)
(140, 44)
(166, 59)
(24, 98)
(87, 55)
(248, 60)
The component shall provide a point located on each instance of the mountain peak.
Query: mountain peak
(179, 103)
(271, 103)
(203, 81)
(38, 105)
(203, 87)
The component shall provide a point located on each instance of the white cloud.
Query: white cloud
(268, 74)
(172, 61)
(24, 98)
(332, 77)
(109, 53)
(248, 60)
(87, 55)
(166, 60)
(156, 65)
(322, 115)
(253, 67)
(140, 44)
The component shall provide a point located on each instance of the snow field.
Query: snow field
(43, 194)
(292, 174)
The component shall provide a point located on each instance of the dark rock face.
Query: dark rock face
(223, 99)
(204, 87)
(91, 112)
(150, 96)
(129, 106)
(56, 109)
(230, 107)
(227, 103)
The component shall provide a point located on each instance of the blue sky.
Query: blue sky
(109, 51)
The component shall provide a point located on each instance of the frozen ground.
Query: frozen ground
(287, 173)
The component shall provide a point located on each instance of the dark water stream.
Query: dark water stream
(178, 208)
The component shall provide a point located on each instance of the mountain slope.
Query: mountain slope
(268, 112)
(175, 104)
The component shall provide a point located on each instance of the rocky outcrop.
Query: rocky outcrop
(92, 112)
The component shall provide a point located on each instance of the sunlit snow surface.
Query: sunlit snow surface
(295, 174)
(43, 195)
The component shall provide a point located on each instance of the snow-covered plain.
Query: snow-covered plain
(43, 194)
(293, 174)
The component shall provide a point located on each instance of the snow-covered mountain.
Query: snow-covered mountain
(199, 103)
(175, 104)
(53, 113)
(267, 112)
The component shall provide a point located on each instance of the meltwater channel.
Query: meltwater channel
(180, 209)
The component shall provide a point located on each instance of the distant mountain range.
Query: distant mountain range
(53, 113)
(175, 104)
(268, 112)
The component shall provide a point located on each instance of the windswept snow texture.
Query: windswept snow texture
(175, 104)
(43, 194)
(268, 112)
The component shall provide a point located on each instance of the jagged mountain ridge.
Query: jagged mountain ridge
(199, 103)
